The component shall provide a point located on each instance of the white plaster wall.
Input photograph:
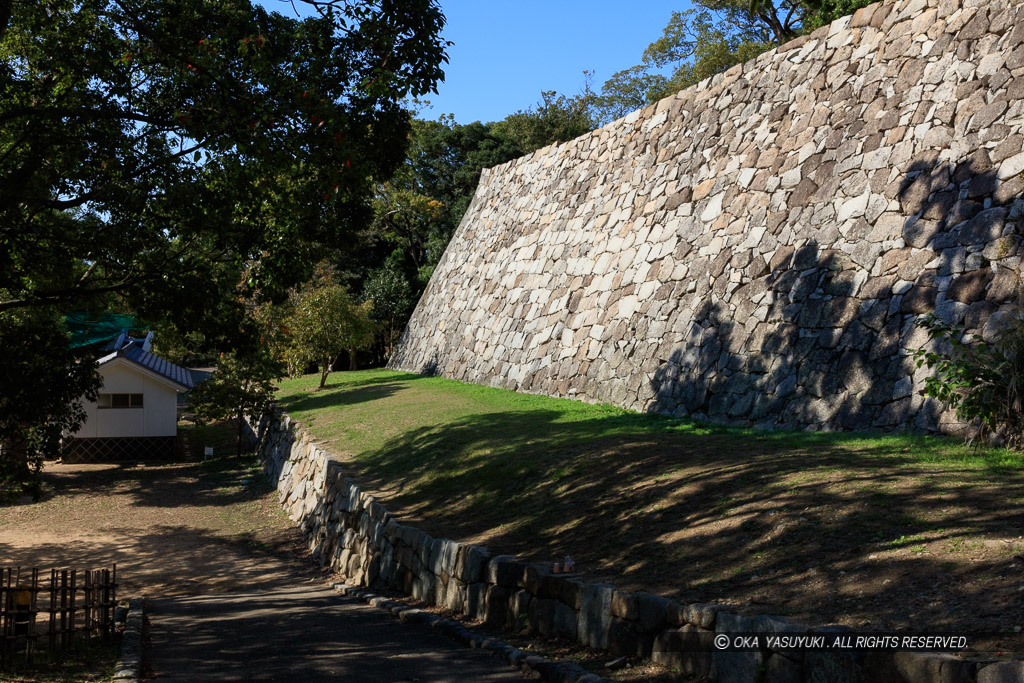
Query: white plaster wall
(157, 417)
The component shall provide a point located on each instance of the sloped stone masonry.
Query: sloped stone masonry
(757, 247)
(351, 532)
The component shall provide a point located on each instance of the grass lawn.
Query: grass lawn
(95, 661)
(885, 531)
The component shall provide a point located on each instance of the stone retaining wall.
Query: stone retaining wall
(354, 534)
(758, 247)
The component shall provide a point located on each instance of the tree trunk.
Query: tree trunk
(353, 362)
(15, 466)
(390, 350)
(241, 421)
(325, 369)
(769, 16)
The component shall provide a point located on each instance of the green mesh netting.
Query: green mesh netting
(91, 329)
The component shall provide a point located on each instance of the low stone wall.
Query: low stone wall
(350, 531)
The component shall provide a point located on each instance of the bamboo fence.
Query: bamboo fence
(72, 604)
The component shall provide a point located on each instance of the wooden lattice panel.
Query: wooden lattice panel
(125, 448)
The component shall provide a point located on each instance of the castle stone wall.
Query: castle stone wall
(758, 247)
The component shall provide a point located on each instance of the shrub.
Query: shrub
(238, 388)
(983, 381)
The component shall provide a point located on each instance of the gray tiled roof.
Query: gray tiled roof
(156, 364)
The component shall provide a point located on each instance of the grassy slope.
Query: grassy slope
(802, 523)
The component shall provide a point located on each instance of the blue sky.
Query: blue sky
(507, 51)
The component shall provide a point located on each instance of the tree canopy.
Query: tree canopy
(29, 423)
(152, 148)
(239, 388)
(556, 118)
(326, 321)
(415, 214)
(176, 159)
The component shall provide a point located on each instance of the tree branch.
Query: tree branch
(156, 39)
(88, 288)
(87, 113)
(75, 202)
(64, 295)
(770, 17)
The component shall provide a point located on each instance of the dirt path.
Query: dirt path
(232, 594)
(183, 529)
(303, 634)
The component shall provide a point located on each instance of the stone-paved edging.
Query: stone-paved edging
(129, 663)
(351, 532)
(547, 669)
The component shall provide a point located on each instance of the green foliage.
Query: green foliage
(445, 161)
(203, 135)
(240, 387)
(43, 382)
(393, 303)
(983, 381)
(179, 159)
(823, 12)
(415, 215)
(417, 211)
(556, 118)
(708, 39)
(181, 348)
(405, 218)
(271, 322)
(325, 322)
(629, 90)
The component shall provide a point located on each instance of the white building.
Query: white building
(136, 414)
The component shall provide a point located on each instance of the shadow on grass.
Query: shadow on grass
(340, 395)
(805, 523)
